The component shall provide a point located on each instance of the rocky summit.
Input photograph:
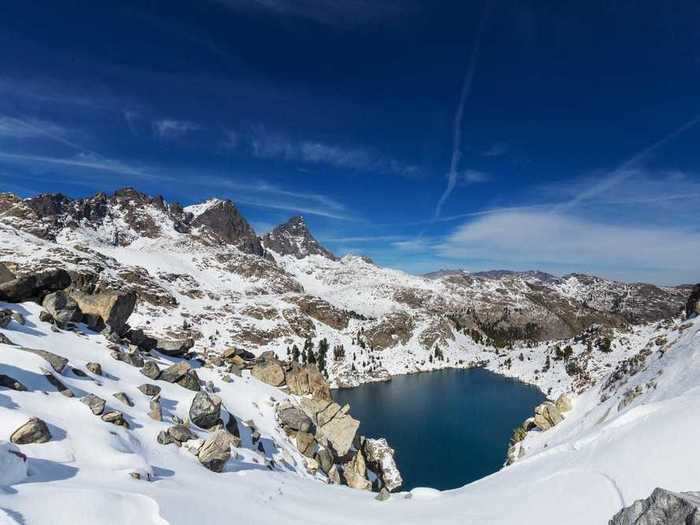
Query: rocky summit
(294, 238)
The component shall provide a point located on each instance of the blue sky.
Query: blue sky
(560, 136)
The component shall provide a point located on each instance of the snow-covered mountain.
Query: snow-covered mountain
(201, 272)
(158, 381)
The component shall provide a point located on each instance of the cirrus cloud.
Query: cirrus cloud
(562, 243)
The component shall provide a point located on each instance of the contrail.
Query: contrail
(622, 172)
(459, 115)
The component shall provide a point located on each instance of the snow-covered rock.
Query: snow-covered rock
(13, 464)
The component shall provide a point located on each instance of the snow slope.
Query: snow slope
(603, 456)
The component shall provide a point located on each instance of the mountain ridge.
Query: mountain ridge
(202, 267)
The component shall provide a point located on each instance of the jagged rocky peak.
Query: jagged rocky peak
(222, 218)
(294, 238)
(126, 215)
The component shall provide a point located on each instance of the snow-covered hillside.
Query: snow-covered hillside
(179, 412)
(201, 273)
(633, 431)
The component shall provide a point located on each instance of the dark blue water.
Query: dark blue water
(448, 427)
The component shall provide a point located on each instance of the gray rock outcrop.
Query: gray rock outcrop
(335, 428)
(95, 403)
(662, 507)
(33, 431)
(57, 362)
(293, 418)
(304, 380)
(5, 274)
(113, 308)
(269, 371)
(205, 410)
(11, 383)
(62, 308)
(380, 459)
(354, 473)
(216, 450)
(547, 415)
(182, 374)
(692, 306)
(34, 286)
(174, 347)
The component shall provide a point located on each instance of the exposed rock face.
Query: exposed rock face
(57, 362)
(222, 219)
(182, 374)
(335, 427)
(564, 403)
(5, 318)
(34, 286)
(205, 410)
(216, 450)
(33, 431)
(306, 443)
(155, 411)
(113, 308)
(174, 347)
(95, 403)
(121, 396)
(393, 329)
(322, 311)
(151, 370)
(181, 433)
(662, 507)
(116, 418)
(692, 306)
(308, 380)
(95, 368)
(11, 383)
(293, 418)
(269, 371)
(380, 458)
(354, 472)
(5, 274)
(294, 238)
(301, 324)
(547, 415)
(149, 389)
(62, 307)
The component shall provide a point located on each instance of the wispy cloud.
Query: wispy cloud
(475, 177)
(329, 12)
(496, 150)
(562, 242)
(262, 194)
(32, 128)
(627, 168)
(173, 129)
(265, 144)
(417, 245)
(452, 174)
(365, 239)
(83, 160)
